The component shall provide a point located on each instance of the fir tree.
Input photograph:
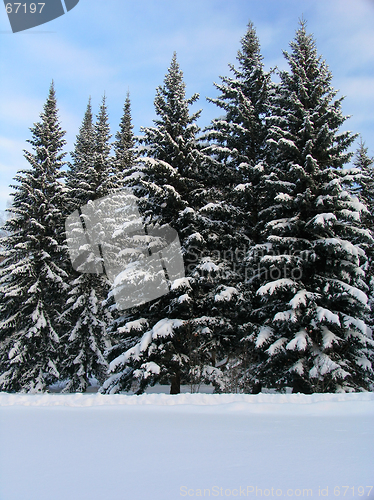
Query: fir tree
(124, 154)
(104, 178)
(77, 180)
(311, 302)
(361, 183)
(364, 181)
(91, 174)
(126, 171)
(32, 274)
(85, 316)
(239, 136)
(238, 146)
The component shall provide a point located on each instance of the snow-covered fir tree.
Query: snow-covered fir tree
(82, 159)
(124, 152)
(361, 183)
(238, 146)
(364, 181)
(32, 275)
(238, 137)
(127, 172)
(104, 179)
(311, 306)
(85, 317)
(180, 335)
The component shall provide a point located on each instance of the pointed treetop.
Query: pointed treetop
(171, 103)
(303, 22)
(83, 148)
(250, 51)
(102, 125)
(174, 77)
(362, 159)
(124, 155)
(48, 129)
(87, 120)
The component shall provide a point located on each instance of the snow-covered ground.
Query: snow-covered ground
(162, 447)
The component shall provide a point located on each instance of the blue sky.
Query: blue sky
(113, 46)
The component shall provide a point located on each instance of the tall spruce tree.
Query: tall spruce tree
(364, 181)
(237, 143)
(178, 337)
(310, 303)
(238, 138)
(32, 275)
(85, 317)
(82, 160)
(126, 171)
(124, 153)
(361, 183)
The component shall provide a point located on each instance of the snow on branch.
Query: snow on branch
(277, 285)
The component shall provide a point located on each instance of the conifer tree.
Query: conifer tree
(237, 143)
(105, 180)
(124, 154)
(361, 183)
(85, 317)
(364, 181)
(33, 272)
(82, 160)
(126, 172)
(310, 303)
(239, 136)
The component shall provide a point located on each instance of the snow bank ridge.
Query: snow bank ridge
(352, 403)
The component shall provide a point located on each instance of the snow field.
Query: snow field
(162, 447)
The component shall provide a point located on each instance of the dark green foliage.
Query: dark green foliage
(33, 274)
(311, 303)
(124, 144)
(85, 318)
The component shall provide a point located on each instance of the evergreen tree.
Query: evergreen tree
(239, 136)
(91, 173)
(78, 182)
(124, 144)
(33, 275)
(127, 172)
(85, 317)
(238, 146)
(310, 303)
(178, 337)
(361, 183)
(364, 181)
(104, 178)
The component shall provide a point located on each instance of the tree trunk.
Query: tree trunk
(256, 388)
(300, 385)
(175, 387)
